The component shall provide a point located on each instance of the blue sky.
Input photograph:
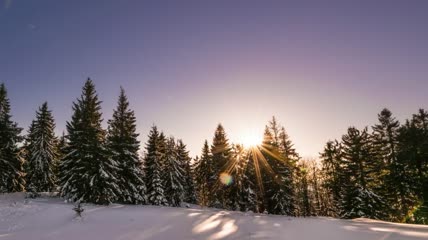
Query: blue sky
(319, 66)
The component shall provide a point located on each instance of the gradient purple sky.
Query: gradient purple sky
(319, 66)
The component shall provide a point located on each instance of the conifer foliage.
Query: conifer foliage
(154, 166)
(221, 157)
(173, 175)
(188, 178)
(11, 162)
(89, 174)
(381, 174)
(42, 152)
(203, 176)
(123, 144)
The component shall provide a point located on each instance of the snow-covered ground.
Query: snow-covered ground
(51, 218)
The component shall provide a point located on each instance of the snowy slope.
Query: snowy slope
(51, 218)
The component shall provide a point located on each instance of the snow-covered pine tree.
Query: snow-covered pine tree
(188, 178)
(88, 171)
(220, 154)
(12, 176)
(123, 143)
(302, 188)
(173, 175)
(288, 170)
(265, 164)
(235, 168)
(391, 179)
(203, 173)
(279, 192)
(153, 167)
(358, 197)
(248, 184)
(331, 159)
(42, 152)
(420, 121)
(61, 150)
(413, 156)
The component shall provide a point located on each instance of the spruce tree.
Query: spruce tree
(88, 171)
(61, 150)
(413, 155)
(220, 154)
(203, 176)
(42, 152)
(385, 141)
(331, 159)
(236, 167)
(266, 161)
(359, 199)
(153, 167)
(287, 168)
(173, 175)
(11, 162)
(248, 187)
(280, 159)
(305, 206)
(124, 146)
(188, 183)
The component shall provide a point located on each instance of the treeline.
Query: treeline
(92, 164)
(380, 174)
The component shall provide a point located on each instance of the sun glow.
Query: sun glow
(251, 140)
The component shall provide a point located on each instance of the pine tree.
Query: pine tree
(124, 145)
(287, 168)
(412, 156)
(305, 206)
(220, 151)
(236, 167)
(359, 199)
(267, 174)
(153, 167)
(174, 175)
(11, 162)
(280, 159)
(203, 176)
(407, 152)
(331, 159)
(389, 169)
(88, 171)
(42, 152)
(249, 186)
(184, 159)
(420, 122)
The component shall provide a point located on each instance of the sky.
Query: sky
(318, 66)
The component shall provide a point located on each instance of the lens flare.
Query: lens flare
(226, 179)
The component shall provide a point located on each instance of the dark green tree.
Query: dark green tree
(12, 176)
(358, 197)
(203, 176)
(220, 154)
(331, 159)
(280, 165)
(123, 143)
(388, 167)
(188, 182)
(153, 167)
(248, 182)
(174, 175)
(88, 171)
(42, 152)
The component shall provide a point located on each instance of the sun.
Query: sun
(251, 140)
